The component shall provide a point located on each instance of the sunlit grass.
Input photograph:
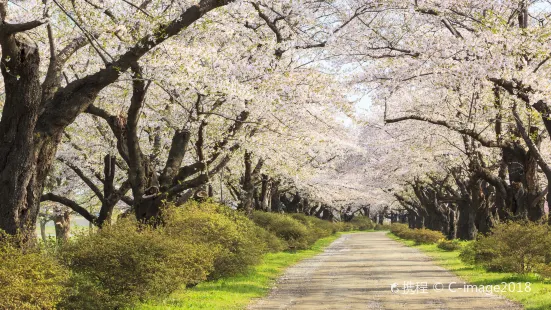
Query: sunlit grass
(237, 292)
(539, 298)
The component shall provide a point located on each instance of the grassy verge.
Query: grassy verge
(236, 292)
(539, 297)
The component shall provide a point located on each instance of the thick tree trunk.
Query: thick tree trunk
(411, 220)
(466, 223)
(366, 211)
(26, 153)
(419, 221)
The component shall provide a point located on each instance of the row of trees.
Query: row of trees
(463, 89)
(130, 106)
(126, 106)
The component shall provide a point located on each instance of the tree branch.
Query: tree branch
(531, 145)
(75, 98)
(469, 132)
(71, 204)
(84, 178)
(10, 29)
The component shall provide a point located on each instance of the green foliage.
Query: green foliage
(449, 245)
(420, 236)
(344, 226)
(317, 228)
(273, 243)
(123, 264)
(235, 241)
(362, 223)
(400, 230)
(285, 227)
(518, 247)
(29, 279)
(382, 227)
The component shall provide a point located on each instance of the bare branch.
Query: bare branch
(71, 204)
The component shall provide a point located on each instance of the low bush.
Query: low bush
(382, 227)
(518, 247)
(344, 226)
(362, 223)
(449, 245)
(272, 242)
(285, 227)
(235, 240)
(123, 264)
(427, 236)
(420, 236)
(29, 279)
(399, 229)
(317, 228)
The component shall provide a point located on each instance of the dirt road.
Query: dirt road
(357, 271)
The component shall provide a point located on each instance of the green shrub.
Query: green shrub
(285, 227)
(518, 247)
(449, 245)
(544, 269)
(236, 241)
(124, 264)
(399, 229)
(382, 227)
(427, 236)
(420, 236)
(362, 223)
(273, 243)
(344, 226)
(317, 228)
(30, 279)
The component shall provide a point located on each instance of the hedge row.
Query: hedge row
(420, 236)
(127, 263)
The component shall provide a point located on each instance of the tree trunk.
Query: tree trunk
(248, 186)
(43, 223)
(536, 205)
(411, 219)
(452, 231)
(265, 194)
(466, 223)
(26, 152)
(62, 222)
(419, 221)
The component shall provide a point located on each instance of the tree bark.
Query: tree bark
(248, 186)
(265, 198)
(25, 155)
(62, 220)
(43, 223)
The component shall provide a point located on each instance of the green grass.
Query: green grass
(237, 292)
(539, 298)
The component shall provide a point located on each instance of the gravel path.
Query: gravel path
(357, 271)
